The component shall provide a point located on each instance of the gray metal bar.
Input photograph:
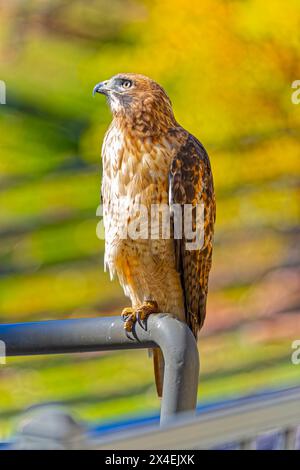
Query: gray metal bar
(212, 428)
(175, 339)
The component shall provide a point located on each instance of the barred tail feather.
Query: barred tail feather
(159, 367)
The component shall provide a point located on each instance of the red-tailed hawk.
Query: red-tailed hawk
(149, 160)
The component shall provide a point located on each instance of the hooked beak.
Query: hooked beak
(102, 88)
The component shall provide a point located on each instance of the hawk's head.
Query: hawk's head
(137, 98)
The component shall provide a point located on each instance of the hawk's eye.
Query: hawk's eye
(126, 84)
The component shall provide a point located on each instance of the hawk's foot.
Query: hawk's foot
(140, 314)
(146, 309)
(129, 318)
(126, 312)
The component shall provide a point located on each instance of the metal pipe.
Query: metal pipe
(175, 339)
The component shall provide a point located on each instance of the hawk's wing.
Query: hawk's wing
(191, 182)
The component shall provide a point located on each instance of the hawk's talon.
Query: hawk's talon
(130, 315)
(126, 313)
(131, 337)
(129, 318)
(148, 307)
(130, 322)
(141, 322)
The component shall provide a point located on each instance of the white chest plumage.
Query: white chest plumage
(134, 172)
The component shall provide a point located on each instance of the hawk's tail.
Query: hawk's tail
(159, 367)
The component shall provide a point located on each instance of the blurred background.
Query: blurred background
(228, 66)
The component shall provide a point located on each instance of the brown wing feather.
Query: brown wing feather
(191, 182)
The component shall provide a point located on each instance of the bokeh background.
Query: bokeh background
(228, 66)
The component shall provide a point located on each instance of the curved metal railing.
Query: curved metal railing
(173, 337)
